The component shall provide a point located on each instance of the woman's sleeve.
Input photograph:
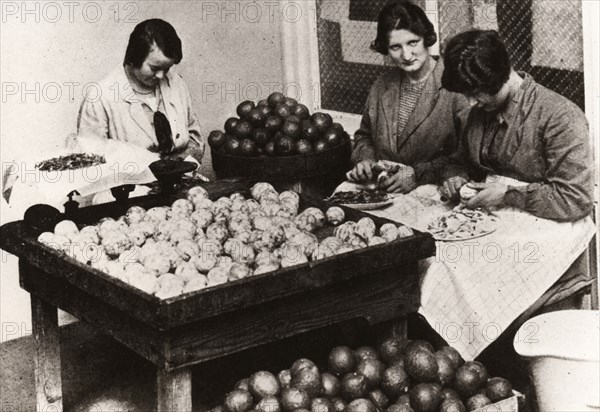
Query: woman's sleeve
(93, 118)
(196, 142)
(457, 163)
(566, 194)
(363, 140)
(430, 172)
(451, 161)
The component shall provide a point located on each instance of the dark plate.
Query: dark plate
(171, 168)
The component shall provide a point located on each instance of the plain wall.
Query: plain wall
(52, 50)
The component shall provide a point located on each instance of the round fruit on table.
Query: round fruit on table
(301, 111)
(216, 139)
(284, 146)
(260, 136)
(275, 98)
(256, 117)
(309, 131)
(264, 109)
(322, 121)
(230, 125)
(282, 110)
(244, 109)
(303, 146)
(273, 124)
(332, 137)
(243, 129)
(233, 145)
(321, 161)
(292, 129)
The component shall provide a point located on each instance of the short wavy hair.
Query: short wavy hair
(476, 61)
(145, 35)
(399, 15)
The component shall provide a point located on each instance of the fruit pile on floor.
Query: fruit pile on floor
(276, 126)
(401, 376)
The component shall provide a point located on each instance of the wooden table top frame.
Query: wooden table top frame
(378, 283)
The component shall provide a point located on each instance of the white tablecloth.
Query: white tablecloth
(472, 290)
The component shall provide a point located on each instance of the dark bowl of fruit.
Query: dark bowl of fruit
(279, 141)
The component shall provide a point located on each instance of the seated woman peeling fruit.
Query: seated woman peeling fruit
(143, 102)
(408, 117)
(517, 129)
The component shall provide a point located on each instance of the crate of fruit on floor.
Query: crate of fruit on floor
(400, 375)
(278, 139)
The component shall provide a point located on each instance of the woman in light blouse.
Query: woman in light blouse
(127, 102)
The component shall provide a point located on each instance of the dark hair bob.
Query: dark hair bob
(145, 35)
(399, 15)
(476, 61)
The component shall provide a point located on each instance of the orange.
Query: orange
(420, 364)
(477, 401)
(216, 139)
(263, 383)
(392, 348)
(322, 121)
(498, 389)
(466, 381)
(361, 405)
(308, 380)
(330, 385)
(321, 405)
(341, 360)
(238, 400)
(294, 398)
(446, 369)
(365, 352)
(452, 405)
(379, 398)
(425, 397)
(353, 386)
(372, 369)
(268, 404)
(394, 381)
(275, 98)
(244, 108)
(453, 355)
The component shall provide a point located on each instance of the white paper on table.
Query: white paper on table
(24, 185)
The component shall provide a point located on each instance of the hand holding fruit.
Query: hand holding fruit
(403, 181)
(451, 187)
(362, 172)
(491, 195)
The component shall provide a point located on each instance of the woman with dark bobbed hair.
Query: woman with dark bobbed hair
(518, 129)
(143, 102)
(524, 131)
(408, 117)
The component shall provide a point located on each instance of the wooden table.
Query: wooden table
(378, 284)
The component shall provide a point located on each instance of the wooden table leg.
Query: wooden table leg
(48, 380)
(174, 390)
